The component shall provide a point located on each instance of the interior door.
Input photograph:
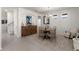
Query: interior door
(10, 23)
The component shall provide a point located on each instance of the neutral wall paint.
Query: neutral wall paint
(15, 16)
(25, 12)
(4, 15)
(10, 24)
(69, 23)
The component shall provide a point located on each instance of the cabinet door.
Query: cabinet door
(28, 30)
(34, 29)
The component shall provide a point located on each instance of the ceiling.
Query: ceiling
(43, 9)
(38, 9)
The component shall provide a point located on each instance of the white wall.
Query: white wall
(0, 29)
(15, 16)
(69, 23)
(25, 12)
(10, 24)
(10, 17)
(4, 15)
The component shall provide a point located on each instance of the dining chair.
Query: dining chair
(41, 33)
(52, 34)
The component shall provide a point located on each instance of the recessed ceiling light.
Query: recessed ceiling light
(50, 15)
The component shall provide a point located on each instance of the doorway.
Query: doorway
(7, 24)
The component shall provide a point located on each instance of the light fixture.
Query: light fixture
(47, 17)
(50, 15)
(48, 12)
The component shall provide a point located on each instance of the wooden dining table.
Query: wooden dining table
(46, 32)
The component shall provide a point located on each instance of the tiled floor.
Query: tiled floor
(33, 43)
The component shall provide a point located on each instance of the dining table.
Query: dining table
(46, 32)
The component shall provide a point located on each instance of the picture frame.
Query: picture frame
(4, 21)
(29, 20)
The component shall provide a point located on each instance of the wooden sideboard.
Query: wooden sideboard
(28, 30)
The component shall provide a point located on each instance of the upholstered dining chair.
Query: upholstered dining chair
(41, 33)
(52, 34)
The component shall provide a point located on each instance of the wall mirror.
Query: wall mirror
(46, 20)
